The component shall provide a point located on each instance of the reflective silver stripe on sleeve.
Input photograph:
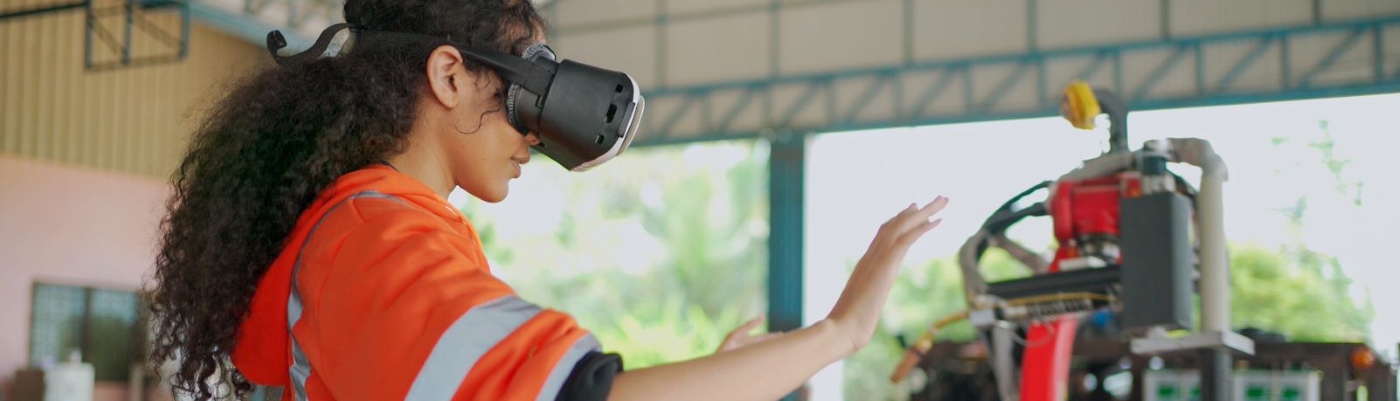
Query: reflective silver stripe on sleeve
(301, 367)
(565, 367)
(465, 342)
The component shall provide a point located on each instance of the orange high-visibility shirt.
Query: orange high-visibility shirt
(383, 293)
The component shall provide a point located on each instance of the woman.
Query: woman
(314, 198)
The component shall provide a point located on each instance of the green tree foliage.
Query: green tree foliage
(1296, 291)
(702, 221)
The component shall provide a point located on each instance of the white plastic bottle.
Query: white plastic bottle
(72, 380)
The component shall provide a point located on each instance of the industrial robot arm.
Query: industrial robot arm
(1123, 224)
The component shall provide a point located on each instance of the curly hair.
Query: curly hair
(268, 148)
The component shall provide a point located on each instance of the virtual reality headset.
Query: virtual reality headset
(583, 115)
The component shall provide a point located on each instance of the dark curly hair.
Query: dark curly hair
(266, 150)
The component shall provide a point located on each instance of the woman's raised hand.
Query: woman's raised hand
(858, 309)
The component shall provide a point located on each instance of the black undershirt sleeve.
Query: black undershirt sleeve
(592, 378)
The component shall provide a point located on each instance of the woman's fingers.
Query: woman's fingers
(934, 207)
(740, 337)
(913, 217)
(744, 329)
(750, 325)
(918, 232)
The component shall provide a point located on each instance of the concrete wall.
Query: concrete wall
(69, 225)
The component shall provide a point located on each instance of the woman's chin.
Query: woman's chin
(493, 195)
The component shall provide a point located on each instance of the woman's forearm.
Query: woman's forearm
(761, 372)
(768, 370)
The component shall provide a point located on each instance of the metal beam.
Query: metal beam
(982, 98)
(1244, 63)
(1118, 82)
(1155, 77)
(907, 50)
(1005, 86)
(662, 27)
(1166, 19)
(719, 115)
(1042, 94)
(734, 111)
(134, 27)
(1093, 67)
(802, 101)
(1336, 53)
(1285, 59)
(1378, 52)
(1393, 86)
(1136, 46)
(944, 79)
(6, 14)
(676, 117)
(1032, 26)
(1200, 63)
(1317, 12)
(867, 95)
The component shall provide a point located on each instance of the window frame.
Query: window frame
(138, 330)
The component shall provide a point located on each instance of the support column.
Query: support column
(1216, 374)
(786, 175)
(787, 165)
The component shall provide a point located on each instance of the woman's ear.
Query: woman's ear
(448, 78)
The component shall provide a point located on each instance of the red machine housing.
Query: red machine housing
(1086, 216)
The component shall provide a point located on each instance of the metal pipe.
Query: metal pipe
(1008, 378)
(1117, 110)
(1210, 207)
(1215, 268)
(1215, 263)
(968, 260)
(1032, 260)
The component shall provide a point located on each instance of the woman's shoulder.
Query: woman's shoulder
(378, 190)
(376, 226)
(382, 208)
(383, 213)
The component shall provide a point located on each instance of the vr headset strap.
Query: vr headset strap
(533, 76)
